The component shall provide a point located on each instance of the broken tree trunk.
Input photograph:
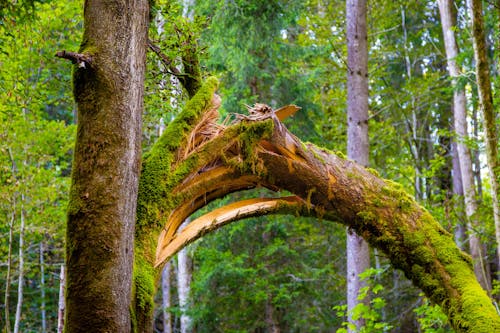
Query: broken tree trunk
(197, 161)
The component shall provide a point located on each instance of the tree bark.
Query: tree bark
(20, 285)
(460, 124)
(61, 306)
(108, 90)
(42, 288)
(166, 298)
(358, 252)
(486, 102)
(184, 270)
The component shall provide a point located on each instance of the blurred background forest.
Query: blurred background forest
(271, 274)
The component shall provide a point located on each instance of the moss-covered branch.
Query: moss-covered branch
(264, 153)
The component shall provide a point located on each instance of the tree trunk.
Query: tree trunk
(9, 266)
(166, 298)
(486, 102)
(358, 253)
(61, 307)
(458, 199)
(42, 288)
(108, 90)
(184, 270)
(460, 123)
(20, 285)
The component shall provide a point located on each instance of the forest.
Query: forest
(249, 166)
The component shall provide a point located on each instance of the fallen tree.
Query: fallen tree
(197, 161)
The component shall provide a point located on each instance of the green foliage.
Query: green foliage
(36, 135)
(371, 313)
(271, 264)
(431, 319)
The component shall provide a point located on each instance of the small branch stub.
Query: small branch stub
(83, 60)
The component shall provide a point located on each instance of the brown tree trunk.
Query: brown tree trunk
(358, 252)
(108, 89)
(489, 114)
(460, 124)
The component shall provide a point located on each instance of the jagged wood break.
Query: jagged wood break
(189, 167)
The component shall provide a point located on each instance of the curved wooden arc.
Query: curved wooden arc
(169, 246)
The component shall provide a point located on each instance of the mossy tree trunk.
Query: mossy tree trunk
(108, 89)
(464, 156)
(178, 178)
(489, 114)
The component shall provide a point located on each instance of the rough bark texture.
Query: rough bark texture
(261, 152)
(358, 252)
(102, 209)
(486, 101)
(460, 124)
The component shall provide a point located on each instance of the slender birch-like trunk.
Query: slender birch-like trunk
(42, 288)
(61, 308)
(20, 285)
(358, 253)
(184, 271)
(9, 266)
(166, 298)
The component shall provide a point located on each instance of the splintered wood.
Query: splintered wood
(167, 246)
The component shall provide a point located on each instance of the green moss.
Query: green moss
(341, 155)
(367, 216)
(249, 134)
(143, 290)
(396, 190)
(157, 178)
(373, 172)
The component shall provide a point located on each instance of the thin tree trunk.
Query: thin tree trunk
(9, 266)
(166, 298)
(9, 256)
(460, 123)
(358, 253)
(184, 270)
(108, 89)
(486, 102)
(271, 324)
(20, 285)
(42, 288)
(61, 309)
(458, 198)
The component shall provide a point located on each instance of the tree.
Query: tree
(108, 90)
(358, 252)
(460, 122)
(489, 114)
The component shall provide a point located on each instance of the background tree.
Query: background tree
(358, 252)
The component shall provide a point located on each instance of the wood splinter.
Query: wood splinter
(77, 58)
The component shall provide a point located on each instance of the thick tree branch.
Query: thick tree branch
(264, 153)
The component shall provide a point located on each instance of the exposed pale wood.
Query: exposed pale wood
(168, 246)
(286, 111)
